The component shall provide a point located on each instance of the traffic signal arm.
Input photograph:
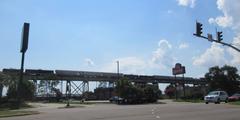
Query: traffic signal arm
(200, 36)
(223, 43)
(219, 36)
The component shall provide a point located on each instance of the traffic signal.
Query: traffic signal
(198, 29)
(219, 36)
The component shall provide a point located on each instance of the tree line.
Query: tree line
(224, 78)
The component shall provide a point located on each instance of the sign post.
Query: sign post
(24, 46)
(179, 69)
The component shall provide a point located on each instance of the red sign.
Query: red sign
(178, 69)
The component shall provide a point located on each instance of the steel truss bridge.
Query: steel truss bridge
(77, 82)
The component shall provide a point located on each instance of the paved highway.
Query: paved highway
(169, 111)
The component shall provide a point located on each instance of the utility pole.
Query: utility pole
(118, 69)
(219, 36)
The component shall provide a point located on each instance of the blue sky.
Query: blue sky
(146, 36)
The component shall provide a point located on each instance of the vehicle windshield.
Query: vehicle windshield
(213, 93)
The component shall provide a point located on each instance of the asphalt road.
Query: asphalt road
(169, 111)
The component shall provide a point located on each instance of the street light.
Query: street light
(118, 69)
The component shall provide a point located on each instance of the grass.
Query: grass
(235, 103)
(71, 106)
(9, 109)
(11, 113)
(79, 102)
(189, 100)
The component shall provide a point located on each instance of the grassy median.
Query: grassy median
(235, 103)
(9, 109)
(11, 113)
(189, 100)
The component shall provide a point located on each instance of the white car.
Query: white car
(216, 97)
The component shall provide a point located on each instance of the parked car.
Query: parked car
(216, 97)
(116, 99)
(234, 97)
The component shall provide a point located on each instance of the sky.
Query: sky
(146, 36)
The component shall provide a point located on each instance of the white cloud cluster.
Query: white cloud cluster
(231, 15)
(186, 3)
(161, 60)
(130, 65)
(89, 62)
(162, 57)
(235, 55)
(230, 18)
(183, 46)
(211, 57)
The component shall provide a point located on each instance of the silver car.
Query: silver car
(216, 97)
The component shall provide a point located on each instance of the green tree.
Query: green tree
(224, 78)
(151, 93)
(123, 88)
(27, 90)
(137, 94)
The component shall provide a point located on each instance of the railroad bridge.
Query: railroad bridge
(77, 82)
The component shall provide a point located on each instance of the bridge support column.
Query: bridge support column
(46, 89)
(184, 92)
(176, 91)
(111, 84)
(61, 86)
(36, 86)
(156, 84)
(68, 92)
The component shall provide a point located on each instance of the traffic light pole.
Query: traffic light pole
(223, 43)
(209, 38)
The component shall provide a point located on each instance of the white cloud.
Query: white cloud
(161, 60)
(231, 19)
(187, 3)
(162, 57)
(183, 46)
(223, 21)
(89, 62)
(231, 15)
(211, 57)
(235, 54)
(130, 65)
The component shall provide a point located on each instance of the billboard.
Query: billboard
(25, 34)
(178, 69)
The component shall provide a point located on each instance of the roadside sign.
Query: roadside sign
(178, 69)
(25, 34)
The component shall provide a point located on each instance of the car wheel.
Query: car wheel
(218, 101)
